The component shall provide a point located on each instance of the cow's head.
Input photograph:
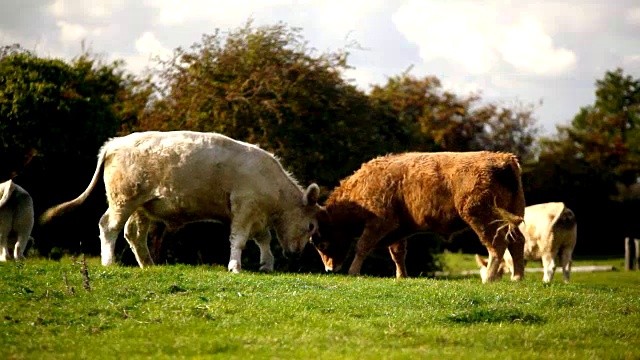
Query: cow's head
(298, 223)
(332, 245)
(484, 269)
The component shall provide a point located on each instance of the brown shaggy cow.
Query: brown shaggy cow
(392, 197)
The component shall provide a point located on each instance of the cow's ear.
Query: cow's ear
(311, 195)
(482, 262)
(323, 216)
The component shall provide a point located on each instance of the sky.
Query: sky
(545, 53)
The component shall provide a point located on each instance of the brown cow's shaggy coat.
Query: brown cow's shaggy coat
(391, 197)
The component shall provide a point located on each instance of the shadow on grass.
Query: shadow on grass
(495, 316)
(456, 276)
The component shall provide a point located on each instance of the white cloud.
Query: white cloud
(8, 38)
(328, 23)
(481, 36)
(567, 16)
(631, 60)
(147, 48)
(341, 17)
(461, 32)
(70, 33)
(463, 88)
(506, 49)
(41, 45)
(363, 77)
(81, 8)
(633, 16)
(222, 13)
(148, 44)
(527, 47)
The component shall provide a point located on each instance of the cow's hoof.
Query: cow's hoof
(266, 268)
(234, 267)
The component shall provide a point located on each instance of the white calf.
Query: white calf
(550, 229)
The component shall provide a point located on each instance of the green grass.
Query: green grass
(182, 311)
(456, 262)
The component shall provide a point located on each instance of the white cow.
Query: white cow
(16, 219)
(550, 229)
(179, 177)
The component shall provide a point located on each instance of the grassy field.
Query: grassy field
(456, 262)
(182, 311)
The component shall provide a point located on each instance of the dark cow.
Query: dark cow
(392, 197)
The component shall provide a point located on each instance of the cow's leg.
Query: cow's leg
(549, 265)
(508, 261)
(515, 244)
(238, 240)
(240, 231)
(159, 232)
(111, 223)
(263, 239)
(371, 236)
(4, 245)
(565, 261)
(21, 244)
(22, 225)
(497, 234)
(490, 237)
(135, 231)
(494, 262)
(247, 219)
(398, 253)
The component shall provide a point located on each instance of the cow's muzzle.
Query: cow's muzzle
(291, 255)
(331, 267)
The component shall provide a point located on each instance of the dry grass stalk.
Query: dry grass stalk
(85, 274)
(70, 289)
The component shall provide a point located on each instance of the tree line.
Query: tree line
(266, 86)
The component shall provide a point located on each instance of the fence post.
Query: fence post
(637, 257)
(628, 259)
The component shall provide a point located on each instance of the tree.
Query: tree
(54, 116)
(511, 129)
(427, 118)
(265, 86)
(53, 109)
(605, 137)
(13, 49)
(593, 164)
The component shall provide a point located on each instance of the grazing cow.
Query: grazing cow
(16, 219)
(391, 197)
(549, 229)
(184, 176)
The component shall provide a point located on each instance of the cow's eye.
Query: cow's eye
(323, 246)
(311, 227)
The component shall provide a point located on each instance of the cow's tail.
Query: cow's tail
(555, 219)
(72, 204)
(506, 220)
(518, 203)
(7, 193)
(510, 214)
